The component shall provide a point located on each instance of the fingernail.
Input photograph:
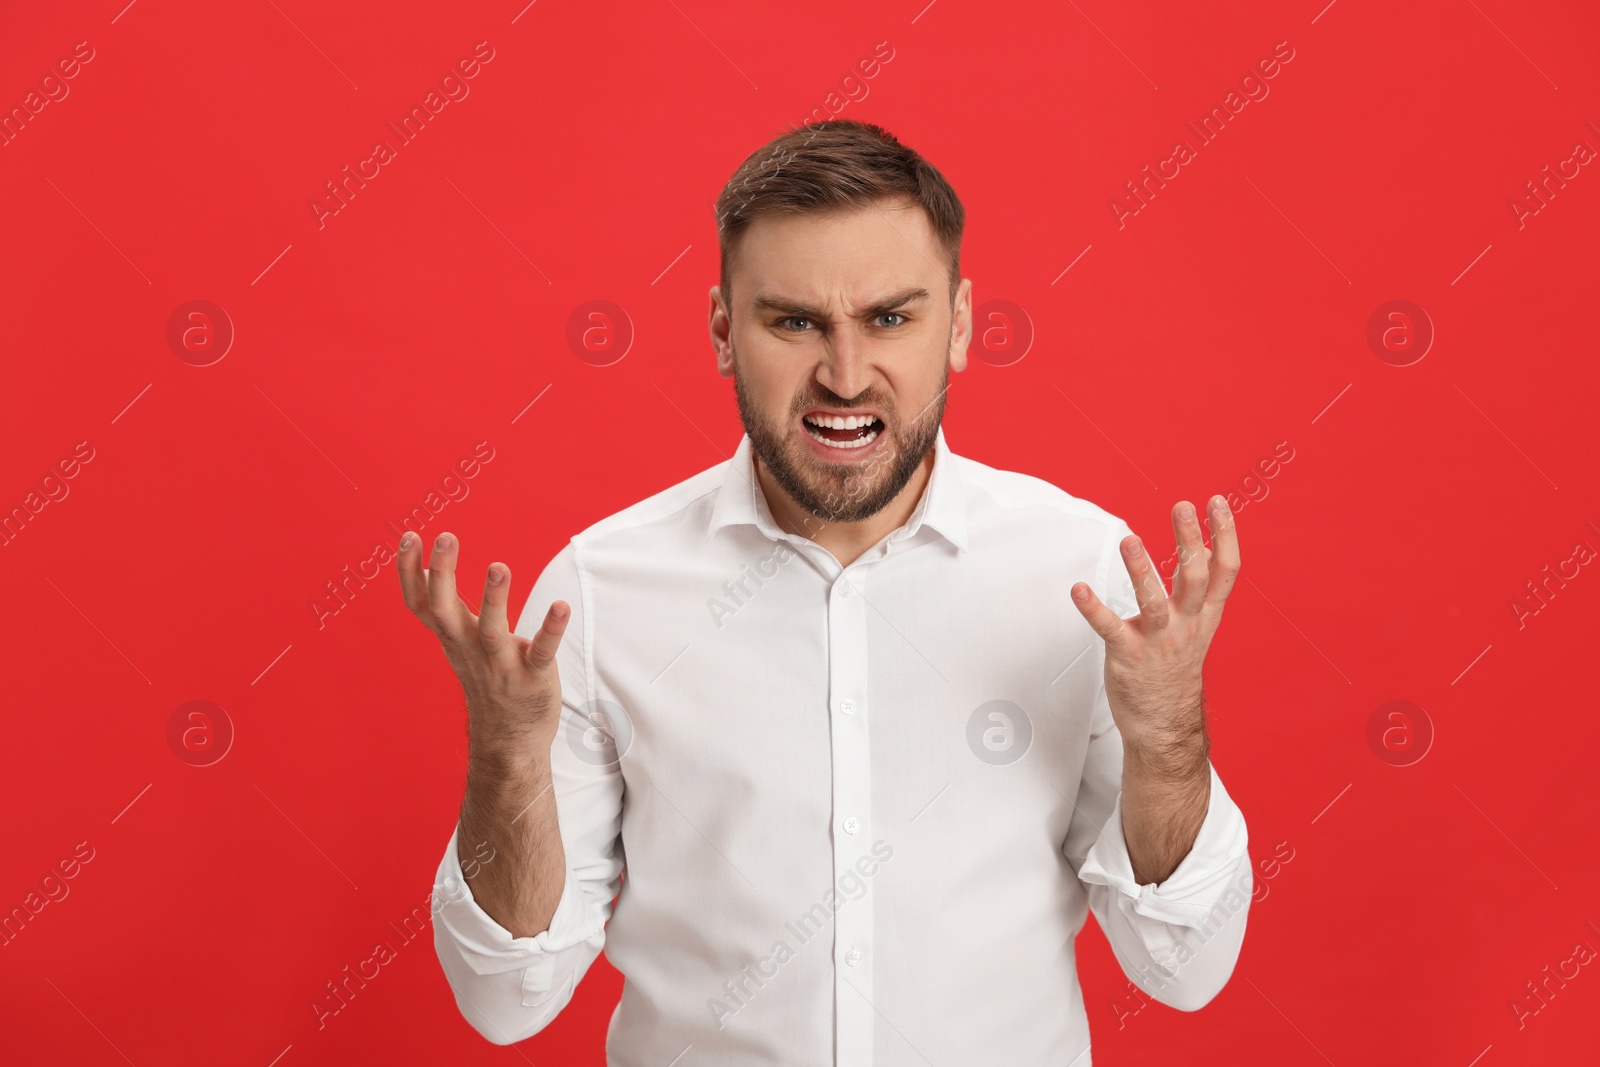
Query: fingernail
(495, 576)
(442, 543)
(1186, 513)
(407, 539)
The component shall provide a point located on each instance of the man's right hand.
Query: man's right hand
(512, 686)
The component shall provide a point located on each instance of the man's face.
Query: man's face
(842, 315)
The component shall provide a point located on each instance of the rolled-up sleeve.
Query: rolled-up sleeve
(510, 988)
(1178, 939)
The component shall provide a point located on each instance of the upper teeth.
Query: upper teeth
(838, 422)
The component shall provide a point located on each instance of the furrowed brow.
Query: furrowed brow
(892, 302)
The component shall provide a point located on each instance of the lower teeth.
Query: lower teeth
(855, 442)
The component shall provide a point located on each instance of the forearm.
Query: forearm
(1166, 791)
(510, 804)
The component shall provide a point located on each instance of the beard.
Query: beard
(841, 492)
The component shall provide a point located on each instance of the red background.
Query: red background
(373, 352)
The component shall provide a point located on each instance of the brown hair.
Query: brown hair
(830, 166)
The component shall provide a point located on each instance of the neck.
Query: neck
(845, 540)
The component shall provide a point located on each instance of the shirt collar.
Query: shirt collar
(943, 506)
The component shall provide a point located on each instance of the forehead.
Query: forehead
(887, 244)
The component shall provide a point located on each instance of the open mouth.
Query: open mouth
(843, 432)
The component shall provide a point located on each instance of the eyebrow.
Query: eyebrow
(789, 306)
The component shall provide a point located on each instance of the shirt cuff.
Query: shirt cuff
(487, 947)
(1190, 893)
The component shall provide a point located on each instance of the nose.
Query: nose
(844, 368)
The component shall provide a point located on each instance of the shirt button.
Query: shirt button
(853, 957)
(851, 825)
(848, 707)
(845, 590)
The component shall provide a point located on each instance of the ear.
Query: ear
(721, 326)
(961, 325)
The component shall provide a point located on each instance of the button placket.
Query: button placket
(848, 660)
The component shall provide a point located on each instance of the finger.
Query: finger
(1224, 554)
(1147, 585)
(493, 633)
(1189, 583)
(542, 649)
(448, 610)
(1105, 622)
(413, 582)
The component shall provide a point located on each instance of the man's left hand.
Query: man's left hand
(1154, 659)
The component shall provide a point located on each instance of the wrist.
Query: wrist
(508, 766)
(1168, 754)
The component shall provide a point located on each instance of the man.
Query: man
(824, 705)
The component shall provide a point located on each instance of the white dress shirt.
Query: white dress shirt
(862, 811)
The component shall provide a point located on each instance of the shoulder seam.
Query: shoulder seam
(609, 525)
(585, 595)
